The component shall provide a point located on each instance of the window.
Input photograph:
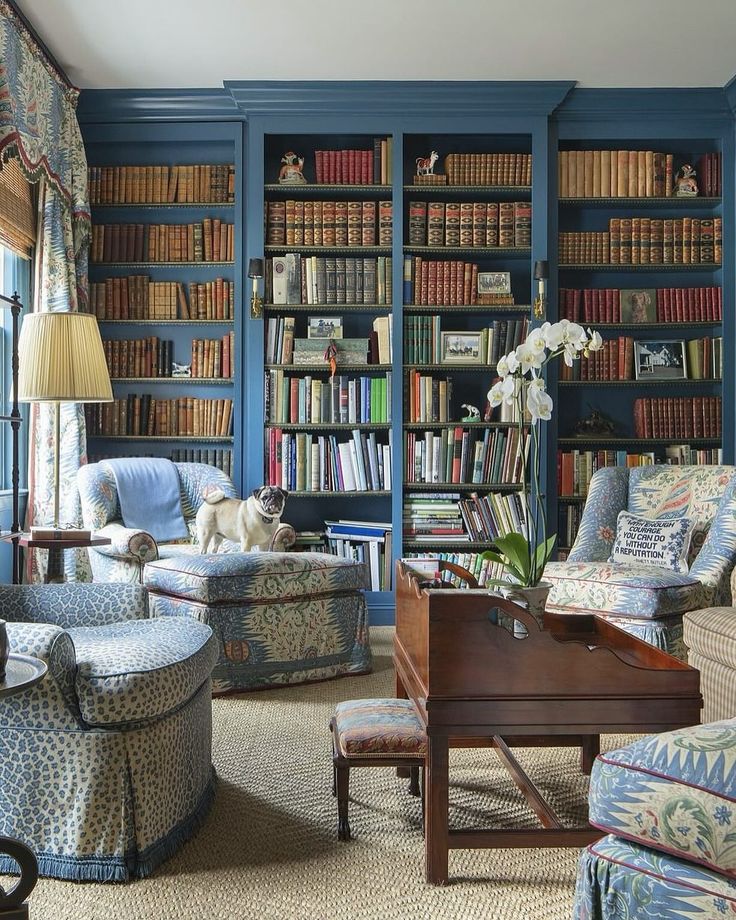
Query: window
(15, 275)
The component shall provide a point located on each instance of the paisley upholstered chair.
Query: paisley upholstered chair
(645, 600)
(106, 765)
(123, 560)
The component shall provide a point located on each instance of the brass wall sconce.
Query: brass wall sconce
(255, 271)
(541, 274)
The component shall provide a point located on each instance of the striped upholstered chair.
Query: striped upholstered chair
(646, 600)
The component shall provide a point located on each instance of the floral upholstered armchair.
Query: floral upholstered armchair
(645, 600)
(123, 560)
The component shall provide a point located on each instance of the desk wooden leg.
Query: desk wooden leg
(401, 694)
(590, 749)
(436, 807)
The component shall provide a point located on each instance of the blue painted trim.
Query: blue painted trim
(100, 105)
(729, 91)
(649, 105)
(398, 97)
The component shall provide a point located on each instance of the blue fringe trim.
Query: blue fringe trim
(121, 868)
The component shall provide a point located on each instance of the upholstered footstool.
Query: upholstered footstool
(667, 805)
(374, 733)
(280, 618)
(710, 637)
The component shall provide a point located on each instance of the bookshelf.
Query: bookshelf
(538, 118)
(160, 268)
(658, 285)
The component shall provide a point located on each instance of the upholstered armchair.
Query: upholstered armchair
(106, 765)
(123, 560)
(646, 600)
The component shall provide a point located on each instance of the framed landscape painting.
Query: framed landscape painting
(660, 360)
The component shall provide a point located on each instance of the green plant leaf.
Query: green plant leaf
(544, 551)
(515, 548)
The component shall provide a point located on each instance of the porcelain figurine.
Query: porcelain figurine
(291, 172)
(425, 165)
(685, 184)
(472, 413)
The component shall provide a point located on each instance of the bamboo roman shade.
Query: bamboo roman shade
(17, 211)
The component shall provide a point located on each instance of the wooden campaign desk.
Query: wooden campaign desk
(474, 683)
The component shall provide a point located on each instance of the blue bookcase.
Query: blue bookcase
(252, 124)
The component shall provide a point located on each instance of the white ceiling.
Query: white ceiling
(190, 43)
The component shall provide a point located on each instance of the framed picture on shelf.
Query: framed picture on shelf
(660, 360)
(461, 348)
(638, 305)
(324, 327)
(494, 282)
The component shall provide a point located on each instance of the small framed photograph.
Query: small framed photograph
(639, 305)
(494, 282)
(324, 327)
(660, 360)
(461, 348)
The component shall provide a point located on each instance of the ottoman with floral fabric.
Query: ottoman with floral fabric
(668, 805)
(280, 618)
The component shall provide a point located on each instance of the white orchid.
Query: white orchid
(553, 334)
(574, 334)
(540, 407)
(509, 390)
(528, 358)
(535, 340)
(495, 395)
(594, 343)
(502, 368)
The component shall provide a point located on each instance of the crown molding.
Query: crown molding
(652, 105)
(105, 105)
(729, 91)
(255, 97)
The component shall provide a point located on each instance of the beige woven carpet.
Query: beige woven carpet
(269, 849)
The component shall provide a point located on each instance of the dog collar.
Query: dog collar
(266, 520)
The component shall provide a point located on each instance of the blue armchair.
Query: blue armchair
(645, 600)
(106, 764)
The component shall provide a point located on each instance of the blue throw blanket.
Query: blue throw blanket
(148, 492)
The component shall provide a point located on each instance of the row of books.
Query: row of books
(340, 400)
(207, 182)
(614, 361)
(134, 297)
(440, 283)
(457, 520)
(219, 458)
(470, 224)
(210, 240)
(329, 223)
(433, 518)
(303, 462)
(709, 175)
(488, 168)
(148, 357)
(427, 398)
(282, 347)
(677, 417)
(645, 241)
(145, 415)
(641, 305)
(427, 567)
(365, 542)
(213, 357)
(615, 174)
(465, 455)
(355, 167)
(297, 279)
(575, 468)
(425, 343)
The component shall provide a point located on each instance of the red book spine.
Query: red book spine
(318, 155)
(587, 305)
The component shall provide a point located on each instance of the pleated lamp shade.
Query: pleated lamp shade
(61, 359)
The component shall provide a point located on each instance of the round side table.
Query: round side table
(21, 672)
(55, 565)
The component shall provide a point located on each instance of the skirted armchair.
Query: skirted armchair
(123, 560)
(649, 601)
(106, 765)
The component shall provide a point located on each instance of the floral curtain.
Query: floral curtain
(38, 124)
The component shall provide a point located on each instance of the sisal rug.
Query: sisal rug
(269, 849)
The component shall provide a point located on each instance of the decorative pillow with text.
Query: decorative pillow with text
(647, 541)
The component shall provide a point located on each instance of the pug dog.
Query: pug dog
(252, 522)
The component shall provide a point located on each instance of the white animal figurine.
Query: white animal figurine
(425, 165)
(472, 414)
(252, 522)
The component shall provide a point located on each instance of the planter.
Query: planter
(533, 598)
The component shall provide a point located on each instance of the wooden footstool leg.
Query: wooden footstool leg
(342, 775)
(334, 779)
(414, 781)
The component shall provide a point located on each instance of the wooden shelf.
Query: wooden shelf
(629, 383)
(485, 251)
(330, 426)
(311, 368)
(166, 322)
(162, 205)
(311, 188)
(226, 439)
(341, 494)
(327, 307)
(467, 308)
(211, 381)
(421, 426)
(660, 325)
(649, 202)
(642, 267)
(461, 487)
(613, 439)
(448, 367)
(470, 189)
(316, 250)
(154, 264)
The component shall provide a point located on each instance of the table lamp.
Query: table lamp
(61, 359)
